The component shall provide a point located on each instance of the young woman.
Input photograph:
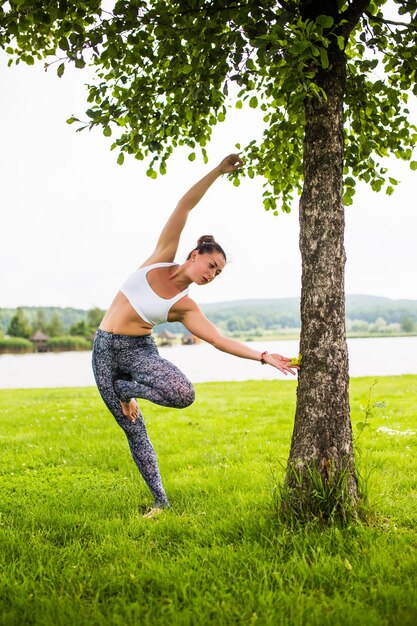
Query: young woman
(126, 362)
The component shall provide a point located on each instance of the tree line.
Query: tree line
(52, 321)
(364, 314)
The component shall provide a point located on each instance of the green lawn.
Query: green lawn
(75, 550)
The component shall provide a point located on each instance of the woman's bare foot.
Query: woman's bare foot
(130, 409)
(155, 511)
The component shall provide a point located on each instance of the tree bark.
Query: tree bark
(322, 447)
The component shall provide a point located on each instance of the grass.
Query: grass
(75, 549)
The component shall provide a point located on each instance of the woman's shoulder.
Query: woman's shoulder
(183, 308)
(186, 304)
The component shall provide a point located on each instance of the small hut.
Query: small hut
(189, 340)
(166, 338)
(40, 341)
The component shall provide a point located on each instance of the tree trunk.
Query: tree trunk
(321, 475)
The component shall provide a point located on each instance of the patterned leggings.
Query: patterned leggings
(128, 367)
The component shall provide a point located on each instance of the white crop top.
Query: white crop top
(151, 307)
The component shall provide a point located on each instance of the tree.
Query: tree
(19, 325)
(94, 317)
(331, 78)
(55, 327)
(80, 329)
(234, 323)
(408, 324)
(40, 320)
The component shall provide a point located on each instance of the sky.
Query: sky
(74, 224)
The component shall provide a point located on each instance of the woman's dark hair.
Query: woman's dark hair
(207, 244)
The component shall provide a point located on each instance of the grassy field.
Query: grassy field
(75, 549)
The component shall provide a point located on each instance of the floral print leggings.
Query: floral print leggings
(128, 367)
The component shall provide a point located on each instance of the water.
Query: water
(202, 363)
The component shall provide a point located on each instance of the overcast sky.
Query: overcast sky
(74, 223)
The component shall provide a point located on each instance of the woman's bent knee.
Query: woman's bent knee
(185, 397)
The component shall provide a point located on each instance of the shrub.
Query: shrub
(68, 343)
(80, 329)
(15, 344)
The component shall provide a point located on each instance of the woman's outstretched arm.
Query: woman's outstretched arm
(196, 322)
(167, 245)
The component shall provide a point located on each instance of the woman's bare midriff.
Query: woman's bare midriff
(122, 319)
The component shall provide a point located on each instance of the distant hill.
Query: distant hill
(369, 308)
(244, 315)
(358, 307)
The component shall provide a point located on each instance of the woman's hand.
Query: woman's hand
(230, 164)
(282, 363)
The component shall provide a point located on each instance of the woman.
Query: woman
(126, 362)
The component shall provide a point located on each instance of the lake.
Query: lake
(202, 363)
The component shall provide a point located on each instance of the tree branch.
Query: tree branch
(352, 15)
(381, 20)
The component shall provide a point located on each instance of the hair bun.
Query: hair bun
(207, 245)
(205, 239)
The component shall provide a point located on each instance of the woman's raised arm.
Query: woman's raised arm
(167, 245)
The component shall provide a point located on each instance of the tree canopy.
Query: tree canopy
(167, 72)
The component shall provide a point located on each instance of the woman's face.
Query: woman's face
(205, 267)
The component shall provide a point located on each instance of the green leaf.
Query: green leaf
(413, 165)
(239, 104)
(326, 21)
(361, 426)
(341, 42)
(296, 360)
(79, 63)
(60, 70)
(191, 156)
(348, 197)
(121, 159)
(253, 102)
(324, 58)
(63, 44)
(107, 131)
